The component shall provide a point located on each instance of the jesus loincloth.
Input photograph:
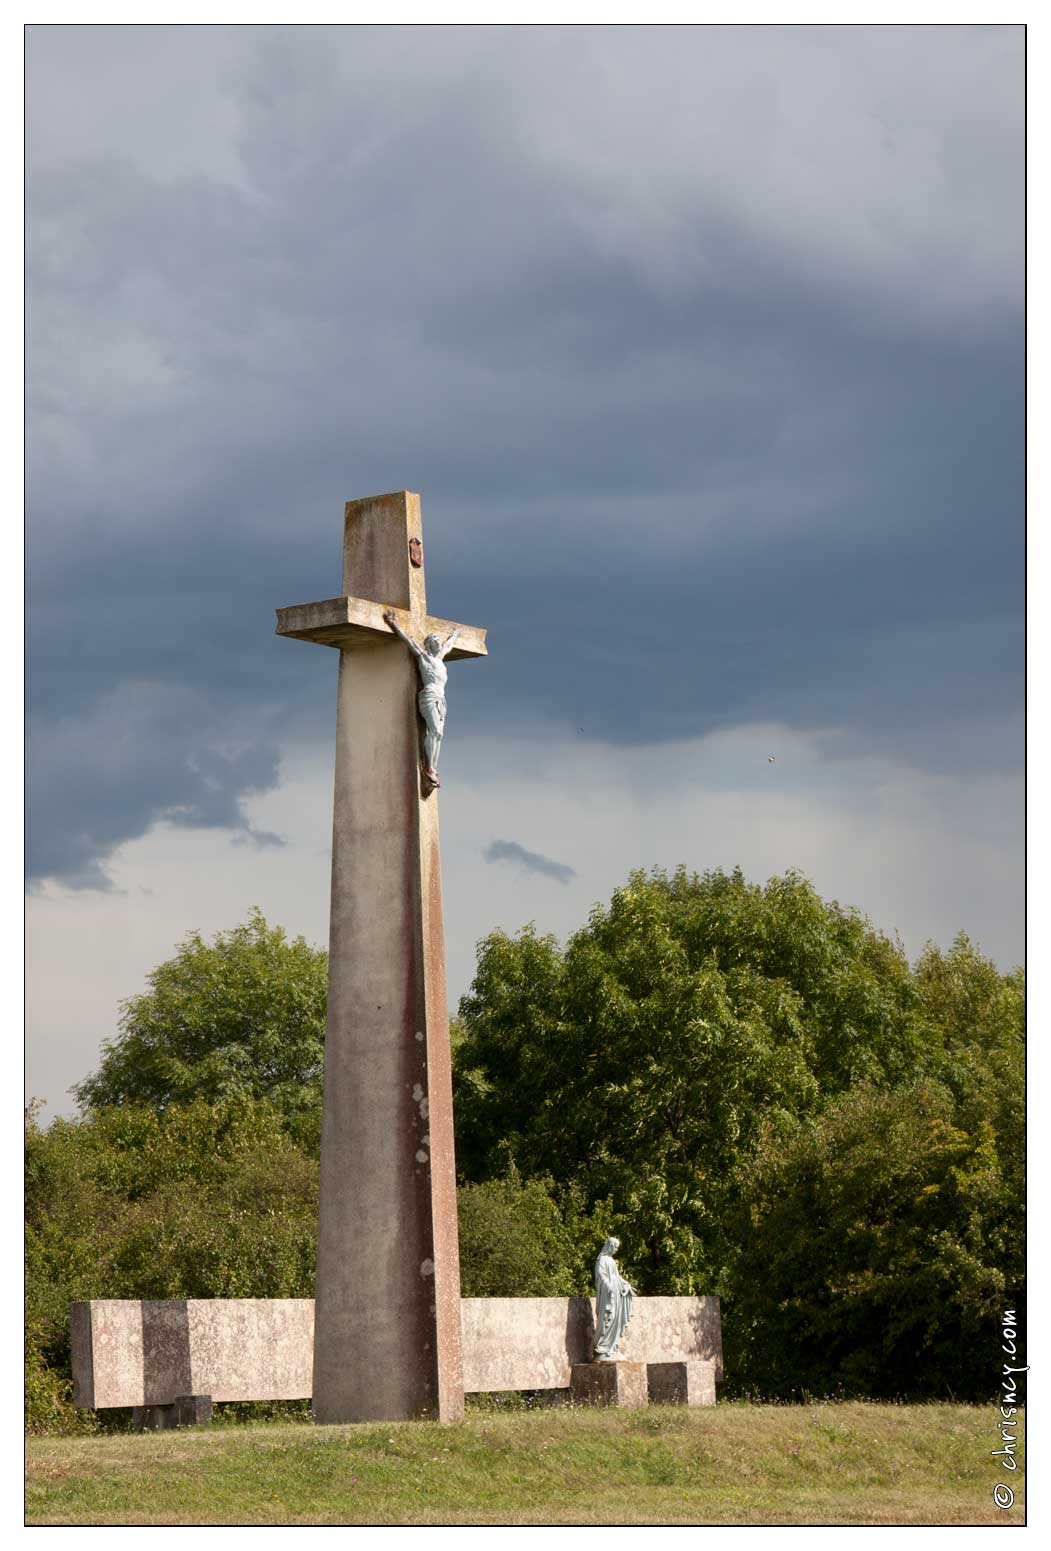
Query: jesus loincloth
(431, 702)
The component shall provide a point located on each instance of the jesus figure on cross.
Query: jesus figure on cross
(430, 661)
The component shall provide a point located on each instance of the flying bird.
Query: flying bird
(770, 758)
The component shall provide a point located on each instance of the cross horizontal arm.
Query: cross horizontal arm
(360, 622)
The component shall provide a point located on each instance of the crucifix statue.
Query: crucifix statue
(387, 1304)
(430, 660)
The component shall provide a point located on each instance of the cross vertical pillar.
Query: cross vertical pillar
(387, 1305)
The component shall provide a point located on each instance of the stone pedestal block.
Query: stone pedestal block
(609, 1384)
(687, 1383)
(193, 1410)
(185, 1411)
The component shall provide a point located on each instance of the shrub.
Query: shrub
(875, 1252)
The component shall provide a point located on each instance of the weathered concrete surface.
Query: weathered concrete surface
(106, 1353)
(387, 1341)
(357, 622)
(128, 1353)
(250, 1348)
(531, 1343)
(610, 1383)
(662, 1329)
(687, 1383)
(524, 1343)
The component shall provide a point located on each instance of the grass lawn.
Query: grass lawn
(734, 1464)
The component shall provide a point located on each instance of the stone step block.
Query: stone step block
(183, 1411)
(609, 1384)
(690, 1382)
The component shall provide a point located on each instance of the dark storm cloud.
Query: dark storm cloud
(144, 754)
(698, 440)
(532, 861)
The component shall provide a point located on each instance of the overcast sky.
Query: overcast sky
(704, 350)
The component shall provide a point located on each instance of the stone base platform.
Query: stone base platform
(149, 1354)
(687, 1383)
(610, 1384)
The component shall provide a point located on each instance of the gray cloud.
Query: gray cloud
(141, 756)
(532, 861)
(702, 345)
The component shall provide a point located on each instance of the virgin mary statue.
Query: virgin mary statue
(613, 1297)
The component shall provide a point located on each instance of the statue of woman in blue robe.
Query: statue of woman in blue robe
(613, 1297)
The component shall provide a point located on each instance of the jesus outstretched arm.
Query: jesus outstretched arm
(392, 620)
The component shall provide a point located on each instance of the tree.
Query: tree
(525, 1239)
(242, 1015)
(874, 1254)
(976, 1017)
(645, 1060)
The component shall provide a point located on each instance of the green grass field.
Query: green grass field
(736, 1464)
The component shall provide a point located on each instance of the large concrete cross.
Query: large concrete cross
(387, 1311)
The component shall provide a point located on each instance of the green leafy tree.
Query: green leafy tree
(874, 1253)
(644, 1060)
(526, 1239)
(243, 1015)
(976, 1018)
